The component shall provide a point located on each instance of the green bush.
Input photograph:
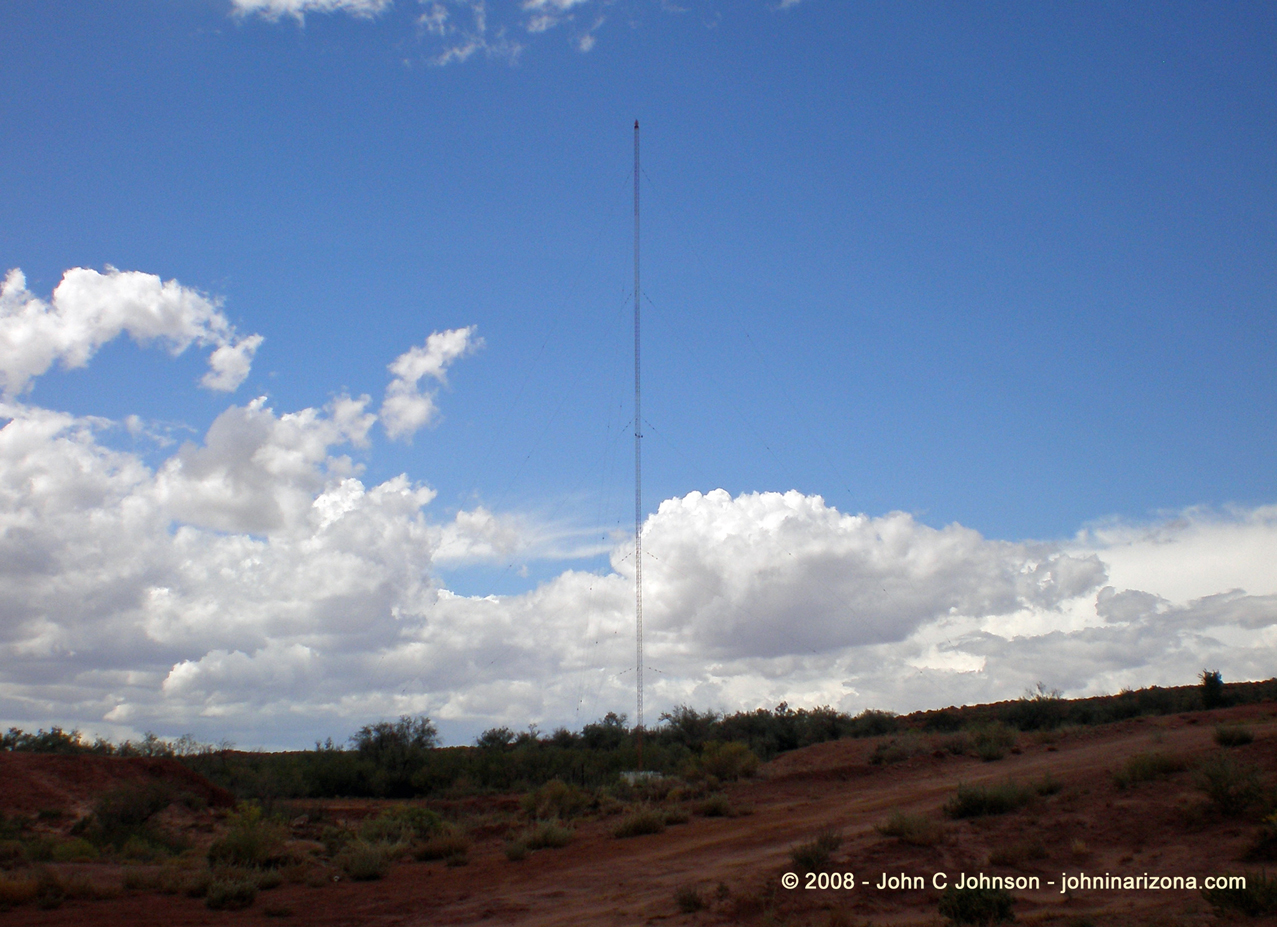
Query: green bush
(813, 855)
(1232, 787)
(16, 891)
(516, 850)
(973, 801)
(916, 829)
(548, 835)
(647, 821)
(1146, 767)
(75, 850)
(334, 838)
(897, 750)
(363, 862)
(724, 761)
(1212, 688)
(249, 841)
(125, 813)
(12, 854)
(1233, 735)
(1257, 899)
(716, 806)
(688, 899)
(49, 890)
(977, 905)
(556, 799)
(398, 825)
(230, 895)
(1264, 845)
(992, 741)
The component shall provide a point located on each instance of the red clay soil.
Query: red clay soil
(34, 782)
(1159, 828)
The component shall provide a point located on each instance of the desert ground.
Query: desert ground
(728, 868)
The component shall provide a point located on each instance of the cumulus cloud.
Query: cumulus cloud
(254, 585)
(406, 408)
(88, 309)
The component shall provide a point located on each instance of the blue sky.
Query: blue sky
(1007, 269)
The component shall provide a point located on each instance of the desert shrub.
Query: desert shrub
(813, 855)
(398, 825)
(384, 829)
(556, 799)
(334, 838)
(874, 723)
(170, 880)
(16, 891)
(197, 884)
(688, 899)
(443, 846)
(915, 829)
(1231, 787)
(957, 744)
(277, 909)
(992, 741)
(516, 850)
(972, 801)
(126, 812)
(140, 880)
(1038, 709)
(1013, 854)
(250, 840)
(266, 879)
(230, 894)
(1233, 735)
(1047, 785)
(977, 905)
(40, 849)
(716, 806)
(1212, 688)
(675, 816)
(12, 854)
(394, 752)
(363, 862)
(548, 835)
(897, 750)
(75, 850)
(1264, 845)
(646, 821)
(49, 890)
(1145, 767)
(1257, 899)
(724, 761)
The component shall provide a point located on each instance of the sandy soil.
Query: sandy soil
(736, 863)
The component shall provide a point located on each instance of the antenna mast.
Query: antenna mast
(638, 466)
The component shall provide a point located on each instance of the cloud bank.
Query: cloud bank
(252, 586)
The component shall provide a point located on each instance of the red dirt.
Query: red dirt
(34, 782)
(1089, 825)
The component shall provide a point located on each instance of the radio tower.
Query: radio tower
(638, 467)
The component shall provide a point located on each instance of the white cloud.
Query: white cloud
(88, 309)
(274, 9)
(406, 408)
(252, 586)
